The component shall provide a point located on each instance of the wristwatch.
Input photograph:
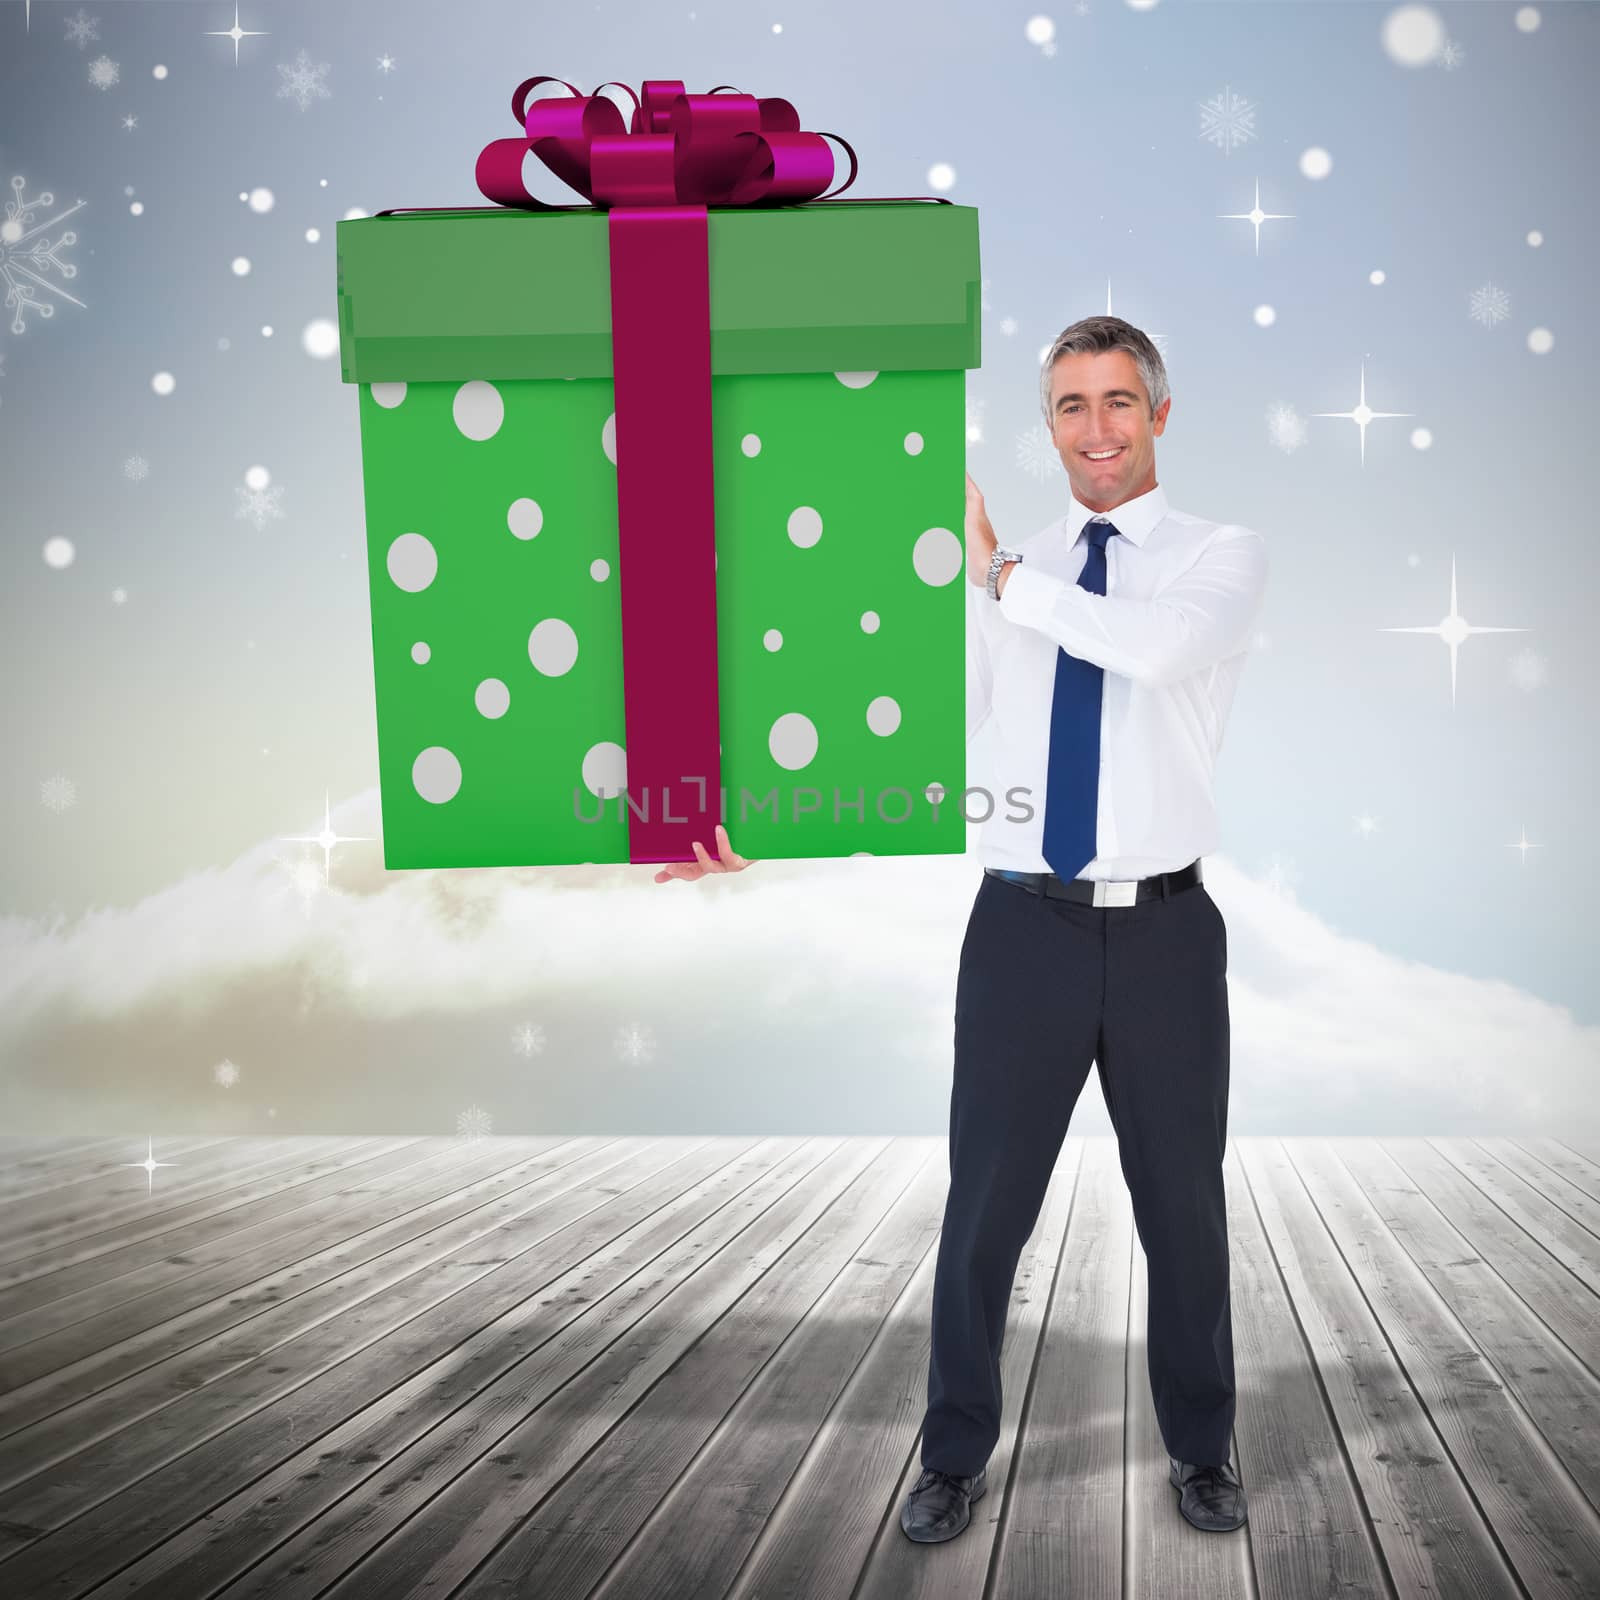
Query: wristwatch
(996, 562)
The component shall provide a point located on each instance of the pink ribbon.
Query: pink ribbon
(681, 153)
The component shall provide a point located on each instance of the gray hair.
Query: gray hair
(1093, 336)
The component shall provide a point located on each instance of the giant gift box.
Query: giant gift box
(664, 496)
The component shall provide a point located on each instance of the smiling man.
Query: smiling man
(1105, 650)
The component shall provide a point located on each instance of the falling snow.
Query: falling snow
(1452, 55)
(528, 1040)
(303, 82)
(1227, 120)
(1036, 453)
(1285, 427)
(473, 1124)
(58, 793)
(225, 1073)
(28, 254)
(1489, 305)
(83, 29)
(1008, 326)
(634, 1042)
(103, 72)
(1528, 670)
(136, 469)
(259, 506)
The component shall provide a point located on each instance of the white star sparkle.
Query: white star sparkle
(1524, 844)
(236, 33)
(327, 838)
(1453, 630)
(1362, 414)
(1257, 216)
(149, 1164)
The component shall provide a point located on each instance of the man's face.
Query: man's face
(1098, 403)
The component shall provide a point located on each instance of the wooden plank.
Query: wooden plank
(1538, 1514)
(455, 1408)
(115, 1504)
(1534, 1246)
(1433, 1540)
(271, 1313)
(48, 1338)
(1570, 1157)
(30, 1159)
(113, 1179)
(47, 1249)
(1546, 1169)
(607, 1416)
(1507, 1316)
(896, 1567)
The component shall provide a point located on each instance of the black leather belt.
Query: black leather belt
(1102, 892)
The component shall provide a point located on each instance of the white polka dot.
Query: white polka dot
(436, 775)
(421, 653)
(525, 518)
(553, 647)
(869, 621)
(1413, 35)
(934, 792)
(1527, 18)
(936, 557)
(913, 444)
(388, 395)
(1375, 276)
(605, 770)
(241, 266)
(1316, 162)
(599, 569)
(163, 383)
(1264, 316)
(1535, 238)
(257, 477)
(772, 639)
(492, 697)
(478, 409)
(312, 235)
(262, 200)
(883, 715)
(941, 175)
(855, 380)
(1421, 438)
(413, 562)
(805, 526)
(751, 444)
(1541, 341)
(608, 438)
(159, 71)
(320, 338)
(793, 741)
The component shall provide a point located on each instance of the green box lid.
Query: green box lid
(501, 293)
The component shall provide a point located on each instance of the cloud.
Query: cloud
(798, 996)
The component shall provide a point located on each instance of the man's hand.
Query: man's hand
(698, 868)
(980, 536)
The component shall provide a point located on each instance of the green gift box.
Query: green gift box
(482, 344)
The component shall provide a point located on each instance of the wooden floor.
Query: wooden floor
(694, 1368)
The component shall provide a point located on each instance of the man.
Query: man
(1105, 650)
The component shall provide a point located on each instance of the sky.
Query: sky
(1405, 871)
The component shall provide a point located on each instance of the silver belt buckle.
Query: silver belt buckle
(1108, 892)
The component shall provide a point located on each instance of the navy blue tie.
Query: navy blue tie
(1072, 787)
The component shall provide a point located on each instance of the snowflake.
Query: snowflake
(303, 82)
(119, 597)
(528, 1040)
(975, 421)
(1489, 305)
(58, 793)
(385, 63)
(1285, 427)
(82, 29)
(259, 505)
(130, 122)
(1227, 120)
(1452, 55)
(1282, 875)
(225, 1073)
(103, 72)
(634, 1042)
(473, 1124)
(1528, 670)
(1366, 825)
(136, 468)
(1008, 326)
(1036, 452)
(25, 261)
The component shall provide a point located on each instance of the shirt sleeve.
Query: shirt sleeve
(980, 666)
(1204, 615)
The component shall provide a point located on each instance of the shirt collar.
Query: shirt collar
(1134, 519)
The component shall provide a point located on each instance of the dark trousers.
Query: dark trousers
(1046, 987)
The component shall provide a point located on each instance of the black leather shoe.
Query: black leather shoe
(1210, 1497)
(940, 1505)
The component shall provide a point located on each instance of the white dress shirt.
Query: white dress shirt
(1171, 631)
